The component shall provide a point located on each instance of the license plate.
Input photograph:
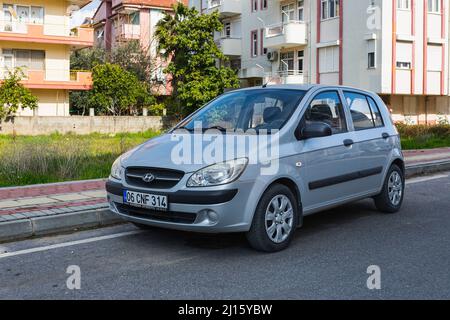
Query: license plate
(145, 200)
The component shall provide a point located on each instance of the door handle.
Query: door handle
(385, 135)
(348, 142)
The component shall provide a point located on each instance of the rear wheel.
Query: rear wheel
(275, 220)
(391, 197)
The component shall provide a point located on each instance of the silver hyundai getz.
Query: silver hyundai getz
(258, 160)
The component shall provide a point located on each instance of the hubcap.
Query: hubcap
(279, 218)
(395, 188)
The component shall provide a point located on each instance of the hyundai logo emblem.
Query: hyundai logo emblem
(148, 177)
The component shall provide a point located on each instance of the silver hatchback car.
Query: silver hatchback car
(258, 160)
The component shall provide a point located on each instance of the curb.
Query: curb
(423, 169)
(40, 226)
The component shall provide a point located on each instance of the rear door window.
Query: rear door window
(360, 110)
(378, 120)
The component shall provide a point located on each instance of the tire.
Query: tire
(391, 196)
(258, 236)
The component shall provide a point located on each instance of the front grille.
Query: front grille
(168, 216)
(163, 178)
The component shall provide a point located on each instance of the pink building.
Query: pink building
(119, 21)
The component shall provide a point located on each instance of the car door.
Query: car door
(371, 138)
(331, 163)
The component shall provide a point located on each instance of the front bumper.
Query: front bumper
(210, 210)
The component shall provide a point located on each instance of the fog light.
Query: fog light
(212, 216)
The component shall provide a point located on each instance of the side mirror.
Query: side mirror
(314, 130)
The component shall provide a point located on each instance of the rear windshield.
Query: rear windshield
(261, 109)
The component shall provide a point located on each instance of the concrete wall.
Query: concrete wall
(81, 125)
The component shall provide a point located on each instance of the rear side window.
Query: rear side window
(364, 111)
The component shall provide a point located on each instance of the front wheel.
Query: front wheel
(391, 197)
(275, 220)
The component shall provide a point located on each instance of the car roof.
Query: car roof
(304, 87)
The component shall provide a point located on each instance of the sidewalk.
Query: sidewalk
(50, 208)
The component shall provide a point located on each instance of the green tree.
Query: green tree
(135, 59)
(117, 91)
(86, 59)
(130, 56)
(13, 95)
(186, 38)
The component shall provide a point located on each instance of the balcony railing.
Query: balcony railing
(46, 32)
(129, 32)
(285, 77)
(53, 78)
(286, 34)
(226, 8)
(230, 46)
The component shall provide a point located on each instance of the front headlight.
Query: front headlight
(117, 169)
(218, 174)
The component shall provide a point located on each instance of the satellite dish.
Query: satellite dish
(72, 8)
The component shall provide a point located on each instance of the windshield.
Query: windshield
(267, 109)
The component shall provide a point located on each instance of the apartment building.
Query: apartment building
(35, 35)
(397, 48)
(119, 21)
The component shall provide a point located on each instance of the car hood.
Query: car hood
(164, 152)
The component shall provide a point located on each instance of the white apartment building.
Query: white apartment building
(397, 48)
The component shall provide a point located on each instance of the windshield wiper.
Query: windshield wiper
(220, 128)
(184, 128)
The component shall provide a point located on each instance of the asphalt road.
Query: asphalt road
(328, 258)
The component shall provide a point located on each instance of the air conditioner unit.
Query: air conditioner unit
(272, 55)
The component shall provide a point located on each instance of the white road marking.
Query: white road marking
(68, 244)
(423, 179)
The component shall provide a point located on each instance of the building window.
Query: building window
(254, 5)
(287, 13)
(329, 59)
(227, 29)
(301, 9)
(263, 50)
(23, 13)
(37, 15)
(254, 41)
(371, 54)
(300, 60)
(330, 9)
(434, 6)
(403, 4)
(25, 59)
(134, 18)
(403, 65)
(287, 62)
(404, 55)
(264, 4)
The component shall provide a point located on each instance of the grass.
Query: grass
(54, 158)
(424, 137)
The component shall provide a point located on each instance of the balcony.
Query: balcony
(286, 35)
(128, 32)
(285, 77)
(39, 79)
(46, 33)
(226, 8)
(230, 46)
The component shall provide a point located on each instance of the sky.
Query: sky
(88, 11)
